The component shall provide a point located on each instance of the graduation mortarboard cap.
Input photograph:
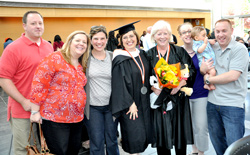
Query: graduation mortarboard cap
(126, 28)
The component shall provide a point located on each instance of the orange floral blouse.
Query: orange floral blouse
(58, 88)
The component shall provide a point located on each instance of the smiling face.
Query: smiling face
(223, 32)
(201, 36)
(162, 37)
(78, 45)
(185, 32)
(34, 26)
(99, 41)
(129, 41)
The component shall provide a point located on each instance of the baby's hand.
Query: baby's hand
(205, 40)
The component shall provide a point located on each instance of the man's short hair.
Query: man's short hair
(27, 13)
(225, 20)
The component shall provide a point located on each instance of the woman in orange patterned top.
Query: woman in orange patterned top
(58, 97)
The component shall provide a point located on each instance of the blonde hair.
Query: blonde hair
(160, 25)
(66, 50)
(196, 31)
(180, 26)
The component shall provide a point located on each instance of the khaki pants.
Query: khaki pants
(20, 129)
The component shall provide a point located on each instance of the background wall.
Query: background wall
(63, 21)
(191, 4)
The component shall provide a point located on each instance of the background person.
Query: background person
(7, 42)
(147, 42)
(58, 43)
(172, 127)
(130, 92)
(101, 126)
(226, 125)
(198, 99)
(112, 42)
(58, 97)
(17, 67)
(173, 39)
(142, 37)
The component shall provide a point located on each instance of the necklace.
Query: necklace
(191, 52)
(144, 89)
(168, 51)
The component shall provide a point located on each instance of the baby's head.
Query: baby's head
(198, 33)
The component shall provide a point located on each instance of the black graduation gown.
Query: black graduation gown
(173, 127)
(126, 88)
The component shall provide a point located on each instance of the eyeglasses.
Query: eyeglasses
(130, 37)
(185, 32)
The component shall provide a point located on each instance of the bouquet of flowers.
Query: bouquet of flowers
(168, 75)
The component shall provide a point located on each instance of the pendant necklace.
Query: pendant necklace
(144, 89)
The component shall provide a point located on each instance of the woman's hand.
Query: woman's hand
(175, 90)
(156, 91)
(36, 118)
(133, 111)
(35, 113)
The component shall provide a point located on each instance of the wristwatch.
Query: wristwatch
(207, 81)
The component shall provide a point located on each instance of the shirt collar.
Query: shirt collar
(29, 42)
(229, 46)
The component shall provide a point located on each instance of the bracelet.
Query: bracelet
(34, 112)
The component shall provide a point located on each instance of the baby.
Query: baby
(202, 48)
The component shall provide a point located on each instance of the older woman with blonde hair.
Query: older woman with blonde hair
(172, 118)
(58, 97)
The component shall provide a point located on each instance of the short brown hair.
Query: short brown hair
(96, 29)
(26, 15)
(225, 20)
(196, 31)
(137, 38)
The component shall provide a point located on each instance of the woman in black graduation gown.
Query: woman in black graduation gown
(172, 126)
(130, 92)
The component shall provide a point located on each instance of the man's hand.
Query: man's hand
(212, 41)
(206, 65)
